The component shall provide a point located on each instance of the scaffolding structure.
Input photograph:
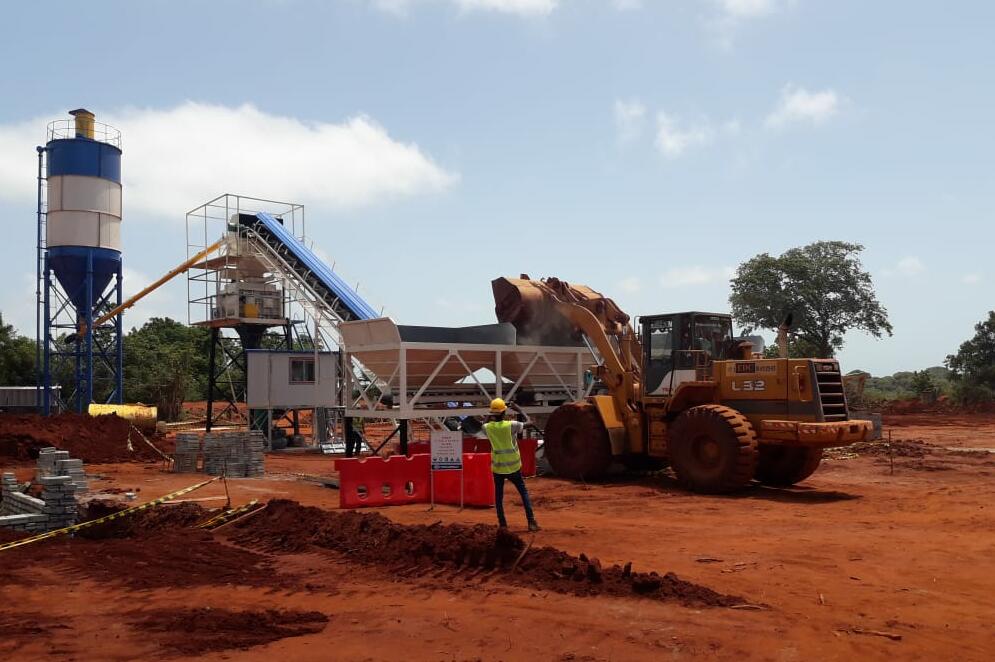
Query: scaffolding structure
(247, 267)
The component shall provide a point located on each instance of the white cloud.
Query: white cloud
(526, 8)
(631, 285)
(629, 119)
(728, 16)
(746, 8)
(519, 7)
(971, 279)
(906, 267)
(176, 158)
(673, 140)
(798, 105)
(674, 137)
(695, 275)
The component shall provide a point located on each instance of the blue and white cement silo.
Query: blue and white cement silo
(79, 214)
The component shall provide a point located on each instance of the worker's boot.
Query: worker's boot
(533, 525)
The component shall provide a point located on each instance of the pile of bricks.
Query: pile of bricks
(18, 511)
(256, 451)
(186, 458)
(234, 454)
(59, 495)
(61, 478)
(53, 462)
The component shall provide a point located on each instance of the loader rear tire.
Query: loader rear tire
(782, 466)
(713, 449)
(576, 442)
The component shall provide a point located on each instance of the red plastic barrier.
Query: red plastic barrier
(478, 485)
(397, 480)
(377, 481)
(476, 445)
(528, 448)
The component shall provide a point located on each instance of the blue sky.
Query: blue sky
(643, 148)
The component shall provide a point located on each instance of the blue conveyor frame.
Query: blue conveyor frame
(337, 294)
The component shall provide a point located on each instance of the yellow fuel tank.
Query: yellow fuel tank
(141, 416)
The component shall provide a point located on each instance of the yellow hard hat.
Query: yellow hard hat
(498, 406)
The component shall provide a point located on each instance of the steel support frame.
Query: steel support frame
(96, 358)
(412, 397)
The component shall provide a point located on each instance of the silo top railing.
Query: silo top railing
(66, 129)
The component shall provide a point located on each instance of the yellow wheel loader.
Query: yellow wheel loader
(683, 391)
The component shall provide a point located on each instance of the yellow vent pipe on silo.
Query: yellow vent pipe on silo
(84, 122)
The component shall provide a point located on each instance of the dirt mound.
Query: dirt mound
(170, 558)
(204, 630)
(142, 523)
(93, 439)
(897, 448)
(286, 526)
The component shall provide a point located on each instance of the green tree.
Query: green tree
(823, 286)
(923, 385)
(17, 357)
(165, 363)
(973, 366)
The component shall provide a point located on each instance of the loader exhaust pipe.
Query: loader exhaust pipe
(782, 336)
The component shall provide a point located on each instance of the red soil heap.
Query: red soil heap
(286, 526)
(202, 630)
(93, 439)
(157, 548)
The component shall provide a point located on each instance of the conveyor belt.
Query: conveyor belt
(341, 299)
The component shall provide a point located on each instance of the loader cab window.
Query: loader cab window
(713, 335)
(658, 344)
(661, 339)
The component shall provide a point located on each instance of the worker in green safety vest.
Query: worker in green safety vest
(506, 461)
(355, 437)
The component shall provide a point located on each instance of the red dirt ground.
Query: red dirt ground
(861, 562)
(202, 630)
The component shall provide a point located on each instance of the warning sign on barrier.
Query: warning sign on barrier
(447, 455)
(447, 450)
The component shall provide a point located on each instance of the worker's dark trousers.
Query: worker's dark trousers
(353, 444)
(519, 482)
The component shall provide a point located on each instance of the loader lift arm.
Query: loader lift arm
(552, 311)
(132, 300)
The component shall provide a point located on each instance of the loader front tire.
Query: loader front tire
(576, 442)
(783, 466)
(713, 449)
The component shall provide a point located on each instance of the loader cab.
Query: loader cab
(680, 347)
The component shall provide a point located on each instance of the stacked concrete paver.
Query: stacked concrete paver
(53, 462)
(234, 454)
(186, 458)
(61, 478)
(59, 495)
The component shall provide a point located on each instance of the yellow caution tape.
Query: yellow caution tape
(107, 518)
(228, 514)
